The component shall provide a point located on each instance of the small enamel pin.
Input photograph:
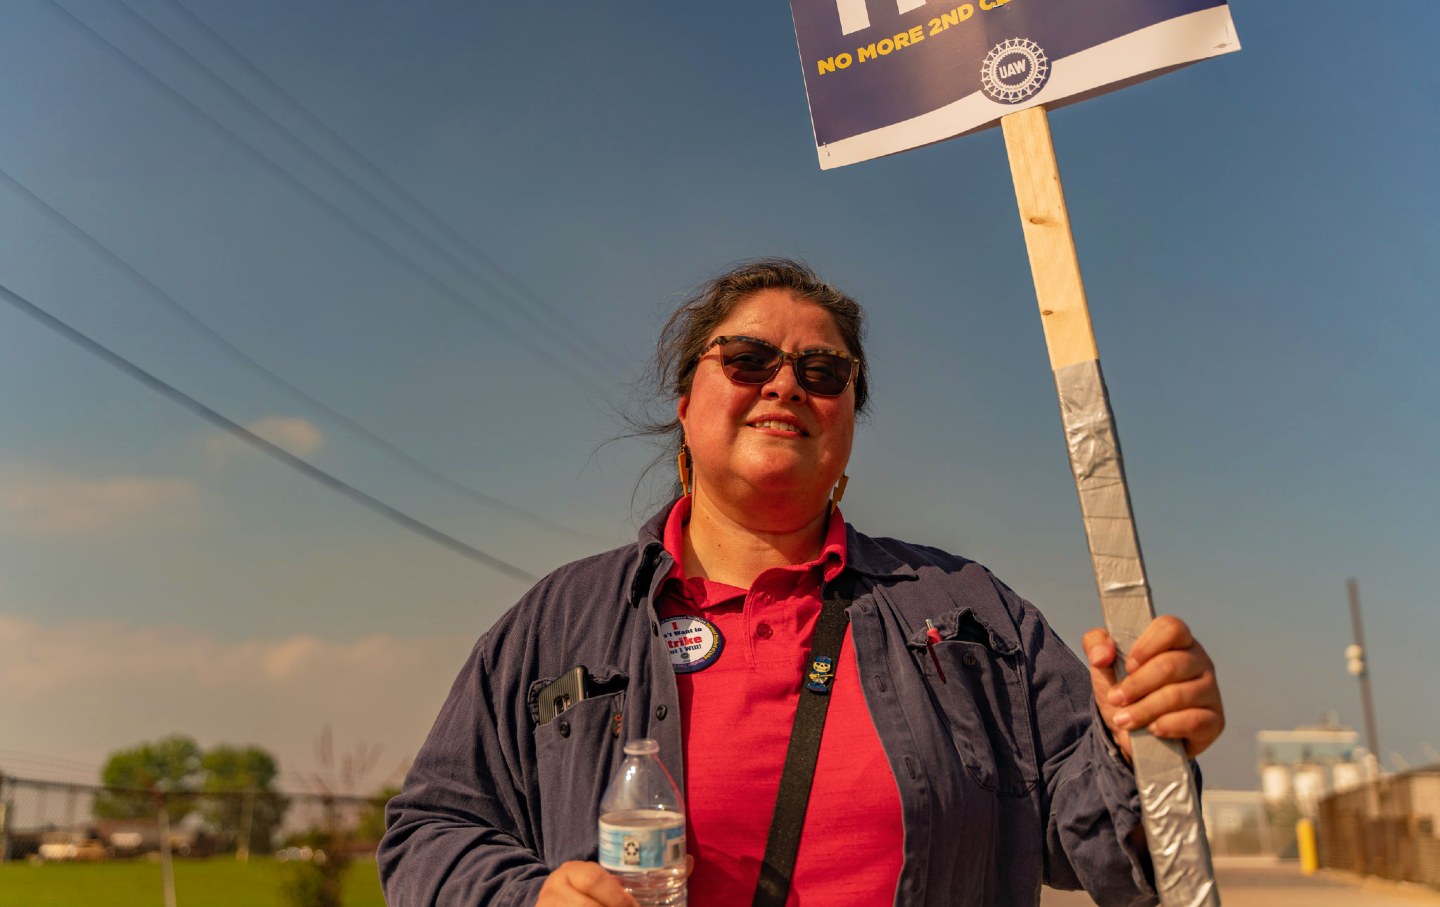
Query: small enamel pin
(822, 671)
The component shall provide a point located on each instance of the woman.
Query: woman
(959, 764)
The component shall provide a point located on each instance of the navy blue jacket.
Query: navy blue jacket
(1005, 776)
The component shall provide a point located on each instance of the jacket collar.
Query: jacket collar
(863, 555)
(654, 561)
(868, 557)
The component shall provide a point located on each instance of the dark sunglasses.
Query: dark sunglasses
(824, 373)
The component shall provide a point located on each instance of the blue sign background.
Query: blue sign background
(945, 67)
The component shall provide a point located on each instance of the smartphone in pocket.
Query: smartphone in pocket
(568, 689)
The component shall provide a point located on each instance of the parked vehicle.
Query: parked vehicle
(58, 846)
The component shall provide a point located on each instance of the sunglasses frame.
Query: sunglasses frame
(786, 356)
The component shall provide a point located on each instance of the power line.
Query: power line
(11, 760)
(369, 167)
(555, 320)
(329, 207)
(59, 762)
(234, 428)
(296, 142)
(196, 323)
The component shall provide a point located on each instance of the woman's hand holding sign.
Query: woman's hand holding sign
(1169, 687)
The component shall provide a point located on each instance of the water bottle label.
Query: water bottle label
(625, 848)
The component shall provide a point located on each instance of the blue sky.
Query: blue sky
(1255, 231)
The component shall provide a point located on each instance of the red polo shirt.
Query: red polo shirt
(736, 717)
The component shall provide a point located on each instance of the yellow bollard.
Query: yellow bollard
(1305, 838)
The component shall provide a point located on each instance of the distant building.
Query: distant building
(1307, 764)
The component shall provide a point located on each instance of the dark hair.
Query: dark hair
(690, 327)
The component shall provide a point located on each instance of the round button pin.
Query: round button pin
(693, 643)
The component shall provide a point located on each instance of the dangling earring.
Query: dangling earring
(839, 491)
(682, 465)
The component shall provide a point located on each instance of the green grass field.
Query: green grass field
(217, 882)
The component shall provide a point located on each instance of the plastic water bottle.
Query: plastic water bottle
(642, 828)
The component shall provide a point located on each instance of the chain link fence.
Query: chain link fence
(1386, 828)
(56, 821)
(1241, 823)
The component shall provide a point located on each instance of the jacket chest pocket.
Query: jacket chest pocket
(576, 754)
(984, 702)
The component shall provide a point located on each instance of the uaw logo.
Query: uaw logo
(1014, 70)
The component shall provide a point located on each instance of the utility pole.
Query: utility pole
(4, 820)
(167, 862)
(1356, 665)
(247, 816)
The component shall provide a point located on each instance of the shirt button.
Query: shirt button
(564, 729)
(763, 631)
(661, 711)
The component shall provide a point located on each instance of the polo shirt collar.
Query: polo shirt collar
(832, 558)
(862, 554)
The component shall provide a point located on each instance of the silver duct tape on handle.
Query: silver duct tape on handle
(1174, 824)
(1174, 827)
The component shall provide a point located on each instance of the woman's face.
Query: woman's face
(773, 437)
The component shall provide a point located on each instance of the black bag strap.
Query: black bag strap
(790, 803)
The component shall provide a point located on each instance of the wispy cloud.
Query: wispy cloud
(300, 437)
(47, 505)
(82, 689)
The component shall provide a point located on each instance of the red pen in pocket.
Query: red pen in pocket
(932, 636)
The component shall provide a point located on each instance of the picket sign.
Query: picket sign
(885, 76)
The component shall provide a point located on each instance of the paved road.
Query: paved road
(1260, 884)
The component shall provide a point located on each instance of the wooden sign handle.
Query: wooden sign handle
(1169, 802)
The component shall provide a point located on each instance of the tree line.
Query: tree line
(175, 771)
